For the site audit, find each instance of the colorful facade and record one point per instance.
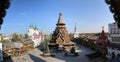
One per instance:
(102, 43)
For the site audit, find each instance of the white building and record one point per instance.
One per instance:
(114, 38)
(35, 35)
(114, 32)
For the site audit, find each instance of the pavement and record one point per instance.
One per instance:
(35, 56)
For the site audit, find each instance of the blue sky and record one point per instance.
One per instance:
(90, 15)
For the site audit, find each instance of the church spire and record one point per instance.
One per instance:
(60, 20)
(102, 28)
(76, 34)
(102, 35)
(43, 32)
(75, 28)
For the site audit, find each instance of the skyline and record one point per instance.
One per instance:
(89, 16)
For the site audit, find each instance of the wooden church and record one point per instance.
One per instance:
(60, 36)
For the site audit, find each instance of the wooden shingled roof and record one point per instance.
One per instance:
(9, 45)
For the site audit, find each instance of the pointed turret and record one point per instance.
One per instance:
(75, 28)
(43, 32)
(102, 35)
(76, 34)
(43, 35)
(60, 20)
(35, 28)
(102, 43)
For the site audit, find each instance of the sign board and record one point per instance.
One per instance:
(1, 54)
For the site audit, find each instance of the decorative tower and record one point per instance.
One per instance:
(43, 35)
(102, 43)
(76, 34)
(60, 35)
